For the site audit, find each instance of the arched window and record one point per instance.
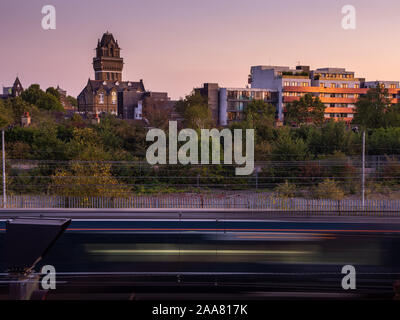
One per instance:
(114, 97)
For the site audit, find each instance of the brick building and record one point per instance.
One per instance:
(109, 94)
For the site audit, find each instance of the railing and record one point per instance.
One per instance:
(251, 201)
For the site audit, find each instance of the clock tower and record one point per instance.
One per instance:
(108, 63)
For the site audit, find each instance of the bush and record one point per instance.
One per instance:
(329, 189)
(285, 190)
(391, 171)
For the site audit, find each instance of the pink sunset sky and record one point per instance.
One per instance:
(175, 45)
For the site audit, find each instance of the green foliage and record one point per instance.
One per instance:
(391, 171)
(5, 116)
(49, 102)
(392, 116)
(384, 141)
(371, 108)
(329, 189)
(18, 107)
(53, 92)
(285, 190)
(332, 137)
(72, 101)
(259, 114)
(43, 142)
(32, 94)
(195, 112)
(43, 100)
(286, 148)
(307, 109)
(87, 179)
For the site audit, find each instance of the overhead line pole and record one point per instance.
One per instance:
(4, 170)
(363, 172)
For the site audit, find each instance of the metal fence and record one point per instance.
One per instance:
(247, 201)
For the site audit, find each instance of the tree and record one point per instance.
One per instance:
(384, 141)
(49, 102)
(307, 109)
(5, 116)
(86, 145)
(392, 116)
(72, 101)
(371, 108)
(53, 92)
(285, 148)
(333, 136)
(32, 94)
(87, 179)
(36, 96)
(157, 115)
(18, 107)
(259, 113)
(194, 111)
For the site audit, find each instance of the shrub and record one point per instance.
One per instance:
(285, 190)
(329, 189)
(391, 171)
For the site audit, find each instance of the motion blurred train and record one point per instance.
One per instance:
(282, 254)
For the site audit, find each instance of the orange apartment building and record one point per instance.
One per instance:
(337, 88)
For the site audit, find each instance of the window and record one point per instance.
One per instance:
(101, 98)
(345, 85)
(392, 86)
(357, 86)
(293, 84)
(286, 84)
(333, 85)
(114, 97)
